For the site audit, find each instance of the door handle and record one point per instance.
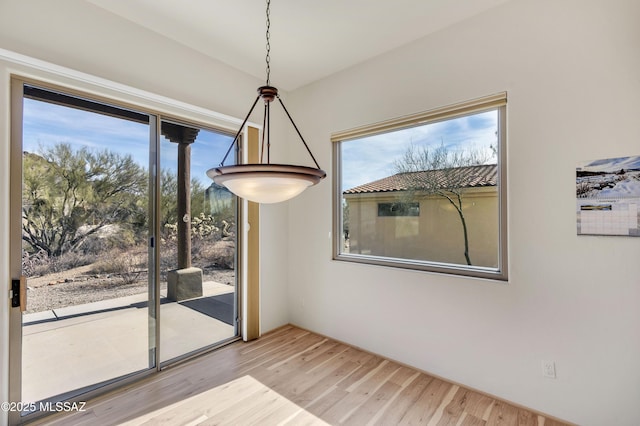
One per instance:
(19, 293)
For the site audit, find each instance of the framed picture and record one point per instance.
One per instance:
(608, 196)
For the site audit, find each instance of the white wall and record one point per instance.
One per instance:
(86, 39)
(571, 69)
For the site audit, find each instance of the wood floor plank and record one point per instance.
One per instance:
(151, 397)
(306, 387)
(224, 396)
(331, 355)
(267, 357)
(294, 349)
(288, 371)
(297, 356)
(552, 422)
(359, 392)
(326, 351)
(312, 389)
(466, 406)
(454, 411)
(252, 410)
(274, 339)
(503, 414)
(471, 420)
(406, 399)
(402, 381)
(373, 406)
(439, 416)
(282, 414)
(304, 418)
(326, 400)
(477, 404)
(370, 364)
(294, 383)
(404, 376)
(293, 377)
(426, 405)
(527, 418)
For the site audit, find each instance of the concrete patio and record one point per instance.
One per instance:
(78, 346)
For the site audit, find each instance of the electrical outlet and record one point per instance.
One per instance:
(549, 369)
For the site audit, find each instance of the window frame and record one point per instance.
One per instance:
(497, 102)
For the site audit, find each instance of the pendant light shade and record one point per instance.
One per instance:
(265, 182)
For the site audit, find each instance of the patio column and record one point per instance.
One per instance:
(184, 205)
(186, 281)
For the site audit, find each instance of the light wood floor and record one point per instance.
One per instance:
(294, 377)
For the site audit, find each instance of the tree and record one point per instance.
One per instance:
(345, 219)
(70, 195)
(442, 172)
(168, 197)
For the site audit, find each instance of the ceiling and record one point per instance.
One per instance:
(309, 39)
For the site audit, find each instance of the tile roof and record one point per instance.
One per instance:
(464, 177)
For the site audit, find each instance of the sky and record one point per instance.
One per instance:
(364, 160)
(46, 124)
(368, 159)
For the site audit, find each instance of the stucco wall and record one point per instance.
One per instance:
(435, 235)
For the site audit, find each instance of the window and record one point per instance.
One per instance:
(398, 209)
(426, 191)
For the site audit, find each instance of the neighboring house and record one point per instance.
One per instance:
(392, 217)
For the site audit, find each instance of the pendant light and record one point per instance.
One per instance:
(265, 182)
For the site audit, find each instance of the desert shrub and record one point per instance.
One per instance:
(206, 252)
(203, 226)
(127, 266)
(34, 263)
(40, 264)
(223, 254)
(72, 260)
(213, 254)
(212, 243)
(119, 239)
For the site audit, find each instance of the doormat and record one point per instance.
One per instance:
(219, 307)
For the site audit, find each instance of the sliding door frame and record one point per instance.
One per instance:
(15, 241)
(244, 249)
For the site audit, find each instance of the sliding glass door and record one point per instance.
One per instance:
(85, 198)
(123, 252)
(198, 235)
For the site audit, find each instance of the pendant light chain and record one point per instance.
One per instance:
(268, 58)
(264, 182)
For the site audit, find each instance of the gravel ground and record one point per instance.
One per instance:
(77, 286)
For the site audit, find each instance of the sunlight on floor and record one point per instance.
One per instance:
(244, 400)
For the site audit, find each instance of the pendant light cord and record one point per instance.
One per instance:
(268, 58)
(265, 125)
